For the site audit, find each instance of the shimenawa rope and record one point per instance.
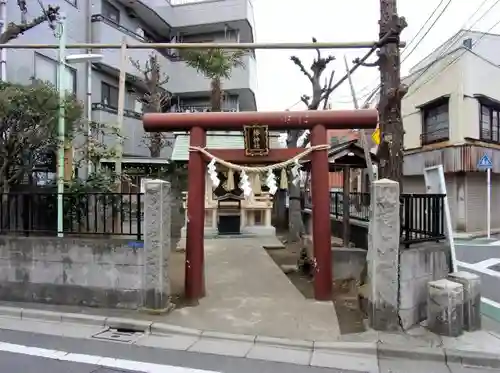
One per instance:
(259, 169)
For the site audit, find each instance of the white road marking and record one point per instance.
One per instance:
(479, 269)
(487, 263)
(97, 360)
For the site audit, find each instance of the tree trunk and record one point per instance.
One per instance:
(295, 223)
(156, 144)
(216, 95)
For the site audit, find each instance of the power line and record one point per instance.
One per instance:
(370, 92)
(430, 28)
(450, 44)
(451, 63)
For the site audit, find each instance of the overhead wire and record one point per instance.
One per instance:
(372, 92)
(450, 44)
(429, 29)
(452, 62)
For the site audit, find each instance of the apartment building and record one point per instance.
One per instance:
(451, 116)
(138, 21)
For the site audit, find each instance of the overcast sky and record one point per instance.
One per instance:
(280, 84)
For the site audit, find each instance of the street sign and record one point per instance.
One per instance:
(485, 162)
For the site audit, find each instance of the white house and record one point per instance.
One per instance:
(451, 116)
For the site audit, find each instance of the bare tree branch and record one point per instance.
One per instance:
(14, 30)
(299, 63)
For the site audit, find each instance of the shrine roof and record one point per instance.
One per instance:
(348, 153)
(217, 140)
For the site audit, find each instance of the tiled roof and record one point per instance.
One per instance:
(217, 140)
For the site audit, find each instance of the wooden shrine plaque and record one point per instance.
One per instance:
(256, 140)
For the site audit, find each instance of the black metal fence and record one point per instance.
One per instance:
(110, 214)
(422, 218)
(421, 215)
(359, 205)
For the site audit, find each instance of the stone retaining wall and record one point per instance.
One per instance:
(87, 272)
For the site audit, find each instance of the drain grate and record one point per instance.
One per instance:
(117, 335)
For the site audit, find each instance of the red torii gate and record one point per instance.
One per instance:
(318, 122)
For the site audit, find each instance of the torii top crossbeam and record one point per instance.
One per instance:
(280, 120)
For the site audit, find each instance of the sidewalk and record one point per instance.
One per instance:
(364, 352)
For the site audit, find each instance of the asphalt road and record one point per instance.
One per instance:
(480, 258)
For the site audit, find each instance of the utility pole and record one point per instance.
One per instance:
(391, 92)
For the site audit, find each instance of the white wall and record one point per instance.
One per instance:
(461, 75)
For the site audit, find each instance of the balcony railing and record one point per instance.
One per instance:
(432, 137)
(199, 109)
(127, 112)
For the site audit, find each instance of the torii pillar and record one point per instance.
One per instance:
(318, 122)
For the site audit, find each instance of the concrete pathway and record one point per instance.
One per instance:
(247, 293)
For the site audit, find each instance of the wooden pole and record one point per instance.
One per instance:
(346, 219)
(194, 284)
(364, 141)
(121, 108)
(391, 94)
(249, 46)
(321, 236)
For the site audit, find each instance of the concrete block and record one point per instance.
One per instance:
(228, 336)
(41, 315)
(132, 324)
(345, 361)
(157, 215)
(383, 256)
(445, 308)
(15, 312)
(221, 347)
(169, 342)
(283, 342)
(81, 318)
(160, 328)
(472, 298)
(281, 354)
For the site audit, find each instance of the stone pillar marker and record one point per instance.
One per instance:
(472, 298)
(445, 308)
(157, 215)
(383, 256)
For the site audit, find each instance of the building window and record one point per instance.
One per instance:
(110, 11)
(138, 106)
(109, 95)
(46, 71)
(435, 122)
(490, 126)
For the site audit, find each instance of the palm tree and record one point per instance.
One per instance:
(215, 64)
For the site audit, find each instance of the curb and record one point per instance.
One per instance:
(379, 349)
(414, 353)
(151, 327)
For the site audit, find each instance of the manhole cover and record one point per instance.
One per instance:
(495, 268)
(118, 335)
